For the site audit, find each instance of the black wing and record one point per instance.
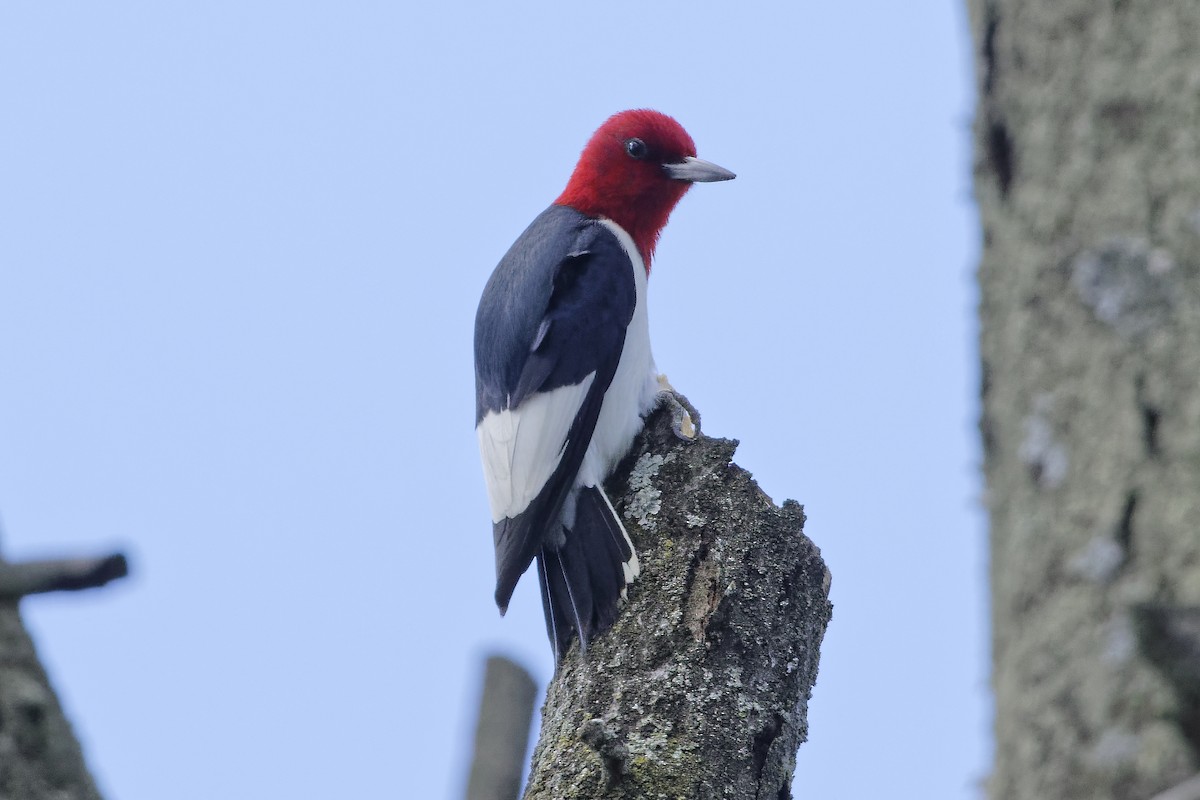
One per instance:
(554, 312)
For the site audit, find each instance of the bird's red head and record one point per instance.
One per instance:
(634, 170)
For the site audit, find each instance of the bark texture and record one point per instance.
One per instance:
(701, 688)
(40, 758)
(1087, 175)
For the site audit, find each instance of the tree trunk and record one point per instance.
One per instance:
(701, 688)
(40, 758)
(1088, 181)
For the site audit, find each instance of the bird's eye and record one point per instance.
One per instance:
(636, 148)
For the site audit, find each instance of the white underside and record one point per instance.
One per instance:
(521, 447)
(634, 387)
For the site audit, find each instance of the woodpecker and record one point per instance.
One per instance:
(564, 374)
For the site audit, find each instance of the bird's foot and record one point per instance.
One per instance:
(685, 419)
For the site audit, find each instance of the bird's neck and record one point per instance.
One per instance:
(643, 221)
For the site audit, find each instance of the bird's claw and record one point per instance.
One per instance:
(685, 419)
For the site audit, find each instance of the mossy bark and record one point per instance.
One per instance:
(701, 688)
(1087, 175)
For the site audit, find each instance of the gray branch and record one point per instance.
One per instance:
(502, 732)
(701, 688)
(63, 574)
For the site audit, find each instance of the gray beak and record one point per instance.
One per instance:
(697, 170)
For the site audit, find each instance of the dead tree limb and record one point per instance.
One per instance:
(59, 575)
(701, 688)
(502, 731)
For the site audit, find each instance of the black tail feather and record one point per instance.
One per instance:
(584, 580)
(554, 616)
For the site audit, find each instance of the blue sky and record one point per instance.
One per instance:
(241, 247)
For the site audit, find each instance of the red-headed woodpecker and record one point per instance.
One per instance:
(564, 373)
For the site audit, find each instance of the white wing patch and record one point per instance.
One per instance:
(521, 446)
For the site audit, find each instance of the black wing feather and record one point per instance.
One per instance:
(564, 291)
